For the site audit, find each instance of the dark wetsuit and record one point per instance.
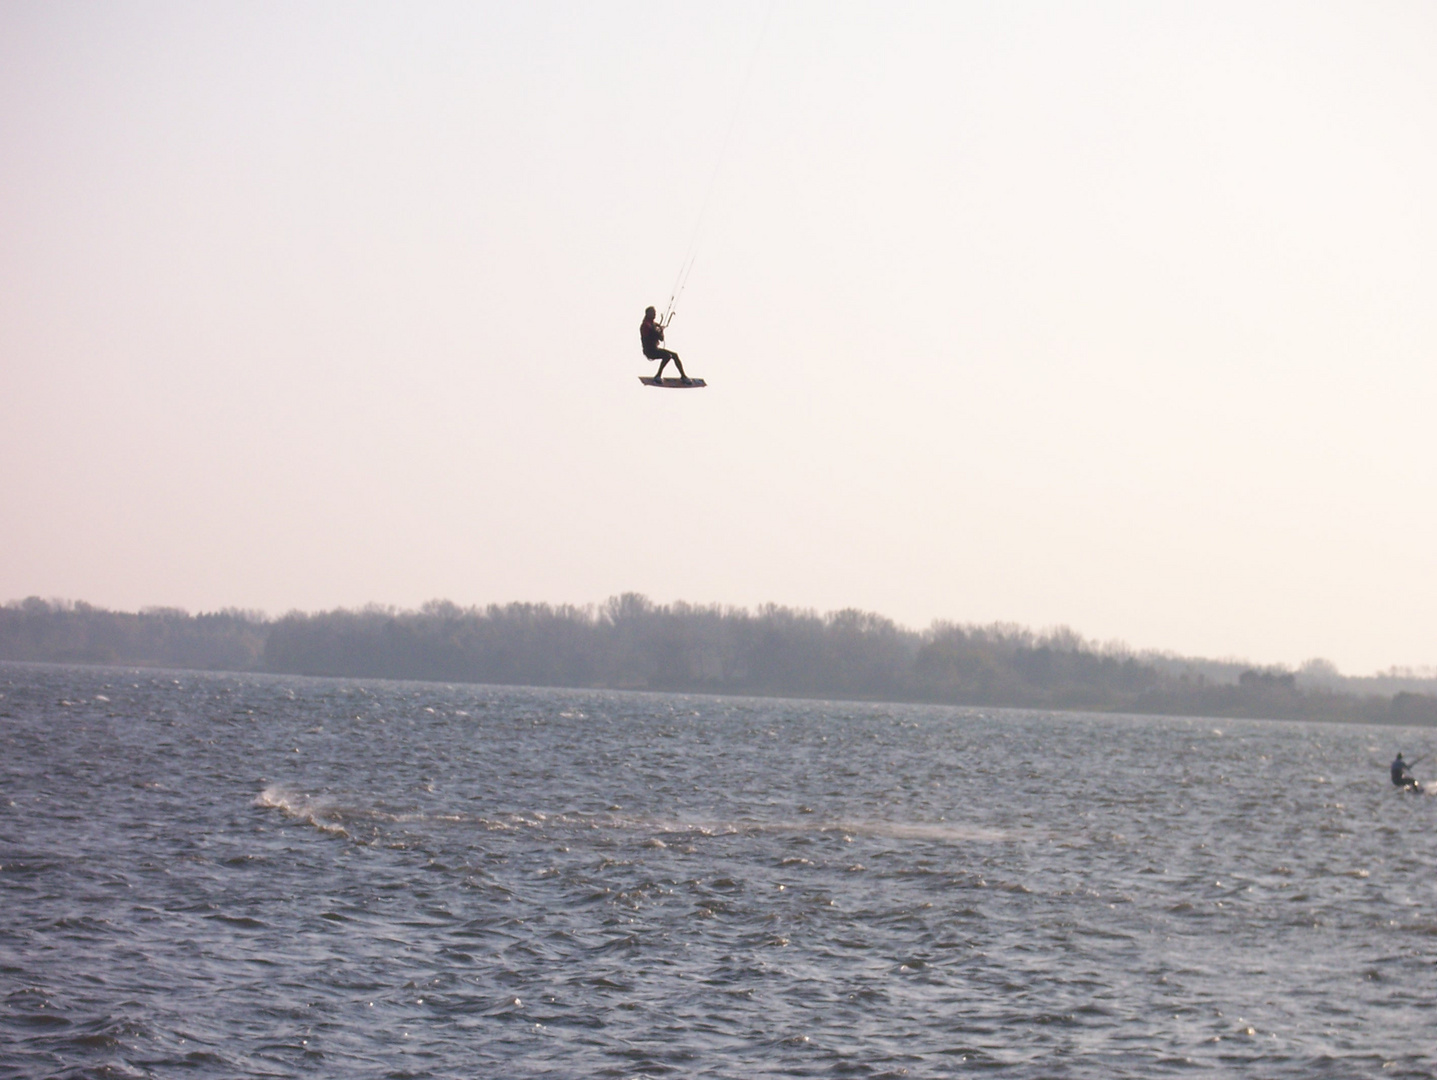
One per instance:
(651, 333)
(1400, 776)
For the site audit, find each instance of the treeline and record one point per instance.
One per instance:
(54, 632)
(632, 643)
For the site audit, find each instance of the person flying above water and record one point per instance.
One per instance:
(1402, 774)
(651, 332)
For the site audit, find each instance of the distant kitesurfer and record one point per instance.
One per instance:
(1402, 774)
(651, 332)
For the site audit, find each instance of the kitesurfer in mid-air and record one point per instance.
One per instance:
(1402, 774)
(651, 332)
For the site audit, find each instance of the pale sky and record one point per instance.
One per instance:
(1113, 315)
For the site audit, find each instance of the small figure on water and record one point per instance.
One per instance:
(651, 332)
(1402, 773)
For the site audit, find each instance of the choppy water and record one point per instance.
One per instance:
(223, 876)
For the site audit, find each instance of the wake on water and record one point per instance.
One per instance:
(329, 814)
(321, 812)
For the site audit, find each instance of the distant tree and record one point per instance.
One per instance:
(631, 642)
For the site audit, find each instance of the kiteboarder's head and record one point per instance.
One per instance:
(649, 312)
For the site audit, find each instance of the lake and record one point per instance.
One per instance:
(231, 876)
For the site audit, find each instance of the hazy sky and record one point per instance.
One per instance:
(1118, 315)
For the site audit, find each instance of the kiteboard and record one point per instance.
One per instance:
(672, 384)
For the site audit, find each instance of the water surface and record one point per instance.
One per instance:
(224, 876)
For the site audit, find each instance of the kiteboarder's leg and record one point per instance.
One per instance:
(664, 356)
